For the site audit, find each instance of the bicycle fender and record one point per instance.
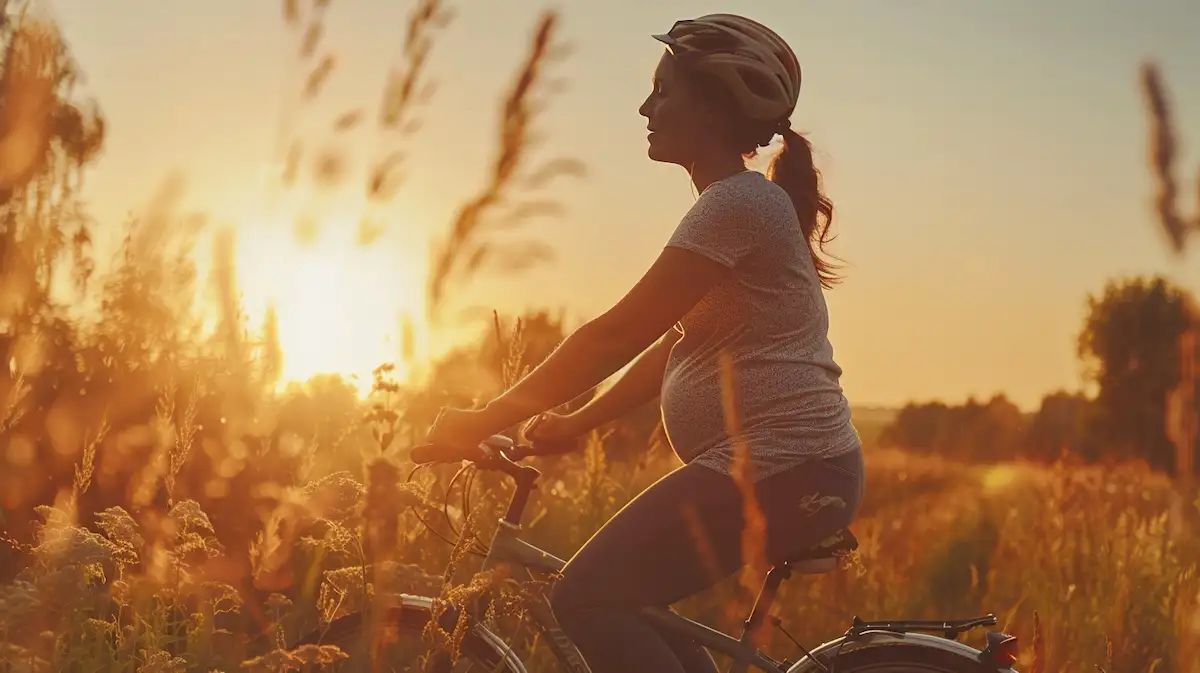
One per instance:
(502, 649)
(829, 650)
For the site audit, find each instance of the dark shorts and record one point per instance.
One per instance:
(684, 533)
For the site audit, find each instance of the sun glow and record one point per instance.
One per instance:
(340, 306)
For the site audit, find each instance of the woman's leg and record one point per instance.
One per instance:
(680, 536)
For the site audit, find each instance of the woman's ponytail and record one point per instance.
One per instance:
(794, 170)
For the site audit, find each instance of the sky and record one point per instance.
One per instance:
(987, 160)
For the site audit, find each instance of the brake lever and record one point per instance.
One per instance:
(501, 453)
(518, 452)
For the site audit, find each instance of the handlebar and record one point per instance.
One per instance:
(496, 452)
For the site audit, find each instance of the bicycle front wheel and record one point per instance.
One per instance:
(394, 642)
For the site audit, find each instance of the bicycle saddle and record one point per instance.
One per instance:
(823, 556)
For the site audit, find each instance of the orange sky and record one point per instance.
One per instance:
(987, 160)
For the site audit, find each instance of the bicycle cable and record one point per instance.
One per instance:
(474, 545)
(468, 488)
(416, 512)
(446, 500)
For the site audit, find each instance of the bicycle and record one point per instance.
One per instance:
(916, 646)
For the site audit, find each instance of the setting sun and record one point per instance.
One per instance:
(340, 306)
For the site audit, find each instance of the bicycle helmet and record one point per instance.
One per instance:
(757, 67)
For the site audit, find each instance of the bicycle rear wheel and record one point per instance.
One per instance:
(904, 658)
(395, 643)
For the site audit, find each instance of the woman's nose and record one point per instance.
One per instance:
(646, 108)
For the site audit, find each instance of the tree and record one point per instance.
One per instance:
(1130, 346)
(916, 426)
(1058, 427)
(990, 431)
(974, 431)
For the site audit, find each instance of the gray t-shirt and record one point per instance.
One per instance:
(771, 318)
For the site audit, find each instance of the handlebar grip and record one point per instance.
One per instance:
(434, 453)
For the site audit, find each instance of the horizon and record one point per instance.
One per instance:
(1025, 122)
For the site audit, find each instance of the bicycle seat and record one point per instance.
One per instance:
(823, 557)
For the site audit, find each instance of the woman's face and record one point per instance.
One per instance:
(677, 119)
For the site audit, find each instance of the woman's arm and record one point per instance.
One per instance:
(641, 383)
(676, 281)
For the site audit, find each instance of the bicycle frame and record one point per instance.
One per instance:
(507, 548)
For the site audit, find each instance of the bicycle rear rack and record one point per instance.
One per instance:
(950, 629)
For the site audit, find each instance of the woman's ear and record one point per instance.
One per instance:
(711, 115)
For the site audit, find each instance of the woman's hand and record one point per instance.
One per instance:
(555, 433)
(462, 428)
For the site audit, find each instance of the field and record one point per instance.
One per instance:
(169, 502)
(1087, 565)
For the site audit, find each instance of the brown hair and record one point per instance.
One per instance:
(792, 169)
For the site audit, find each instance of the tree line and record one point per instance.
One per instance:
(1130, 348)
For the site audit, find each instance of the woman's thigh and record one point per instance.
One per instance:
(668, 543)
(683, 534)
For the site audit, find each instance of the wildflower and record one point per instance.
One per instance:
(158, 661)
(334, 496)
(122, 531)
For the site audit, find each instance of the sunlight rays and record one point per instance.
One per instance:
(340, 306)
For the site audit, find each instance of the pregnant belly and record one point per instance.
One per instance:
(692, 414)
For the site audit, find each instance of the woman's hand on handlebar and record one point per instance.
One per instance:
(550, 433)
(460, 431)
(463, 429)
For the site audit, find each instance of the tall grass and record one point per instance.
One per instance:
(1183, 417)
(165, 510)
(1078, 561)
